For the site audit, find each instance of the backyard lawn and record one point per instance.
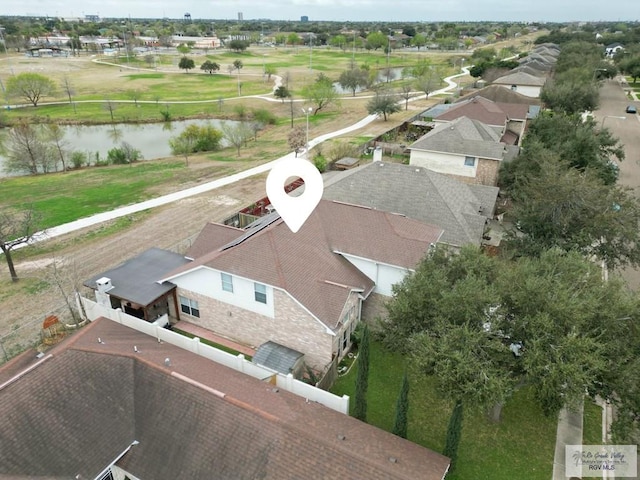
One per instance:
(521, 446)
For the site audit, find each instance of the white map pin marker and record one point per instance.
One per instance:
(294, 210)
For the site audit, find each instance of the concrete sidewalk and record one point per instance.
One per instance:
(569, 432)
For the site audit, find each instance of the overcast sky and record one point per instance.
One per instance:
(354, 10)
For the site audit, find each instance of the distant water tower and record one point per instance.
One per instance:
(187, 18)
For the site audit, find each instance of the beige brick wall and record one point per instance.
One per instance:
(486, 174)
(373, 309)
(292, 326)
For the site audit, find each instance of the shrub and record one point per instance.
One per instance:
(78, 159)
(208, 139)
(341, 150)
(320, 162)
(264, 116)
(123, 154)
(241, 111)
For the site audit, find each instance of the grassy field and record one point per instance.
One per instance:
(61, 198)
(520, 446)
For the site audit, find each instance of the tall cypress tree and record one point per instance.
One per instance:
(454, 432)
(402, 409)
(362, 380)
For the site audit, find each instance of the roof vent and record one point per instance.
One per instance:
(167, 362)
(275, 390)
(342, 437)
(393, 459)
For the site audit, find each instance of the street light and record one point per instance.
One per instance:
(610, 116)
(307, 112)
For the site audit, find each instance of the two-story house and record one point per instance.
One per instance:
(465, 149)
(304, 291)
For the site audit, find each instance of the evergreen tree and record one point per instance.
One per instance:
(454, 432)
(402, 409)
(362, 380)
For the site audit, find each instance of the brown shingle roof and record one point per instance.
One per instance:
(195, 419)
(504, 95)
(305, 263)
(477, 108)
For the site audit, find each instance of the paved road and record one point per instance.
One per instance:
(613, 102)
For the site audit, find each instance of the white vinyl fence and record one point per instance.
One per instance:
(238, 363)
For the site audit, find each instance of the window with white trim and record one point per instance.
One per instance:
(190, 307)
(469, 161)
(227, 282)
(260, 293)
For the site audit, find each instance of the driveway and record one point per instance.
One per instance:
(613, 102)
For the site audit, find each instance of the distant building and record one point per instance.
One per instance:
(304, 19)
(240, 16)
(92, 18)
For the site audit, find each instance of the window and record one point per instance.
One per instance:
(469, 161)
(227, 282)
(260, 292)
(190, 307)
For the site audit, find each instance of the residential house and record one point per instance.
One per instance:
(306, 290)
(303, 291)
(503, 95)
(465, 149)
(524, 83)
(613, 48)
(509, 120)
(95, 408)
(459, 209)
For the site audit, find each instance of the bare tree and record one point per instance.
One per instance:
(405, 94)
(110, 107)
(16, 228)
(237, 135)
(25, 150)
(67, 87)
(55, 135)
(297, 139)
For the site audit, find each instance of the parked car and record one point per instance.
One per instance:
(631, 109)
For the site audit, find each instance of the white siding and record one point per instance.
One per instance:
(527, 91)
(384, 276)
(446, 163)
(207, 282)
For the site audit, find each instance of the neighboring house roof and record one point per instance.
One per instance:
(458, 208)
(476, 108)
(537, 65)
(305, 264)
(503, 95)
(85, 404)
(436, 110)
(277, 357)
(520, 78)
(614, 45)
(463, 136)
(136, 280)
(530, 69)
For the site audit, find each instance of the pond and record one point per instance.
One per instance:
(152, 139)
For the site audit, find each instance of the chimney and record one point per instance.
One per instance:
(104, 284)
